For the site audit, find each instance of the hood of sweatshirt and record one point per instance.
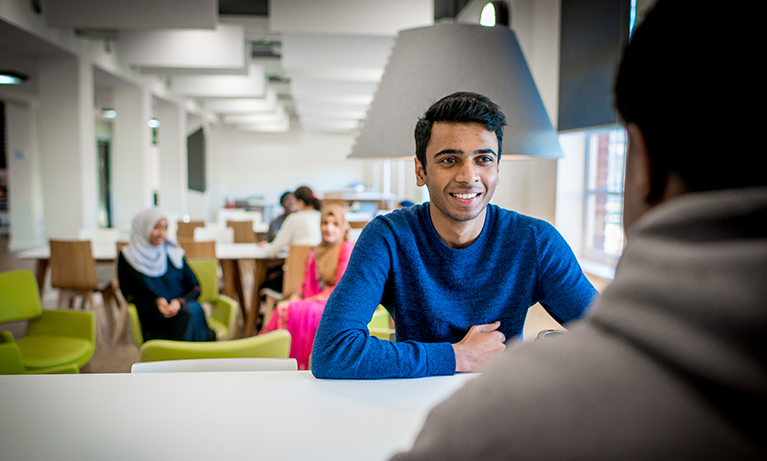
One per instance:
(691, 291)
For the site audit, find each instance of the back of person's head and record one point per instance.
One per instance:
(461, 107)
(687, 79)
(306, 195)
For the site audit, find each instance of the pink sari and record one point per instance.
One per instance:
(301, 318)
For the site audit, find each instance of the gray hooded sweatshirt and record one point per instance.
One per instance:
(670, 362)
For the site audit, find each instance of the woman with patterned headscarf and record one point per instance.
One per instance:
(324, 266)
(154, 276)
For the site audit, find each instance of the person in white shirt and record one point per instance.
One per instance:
(301, 227)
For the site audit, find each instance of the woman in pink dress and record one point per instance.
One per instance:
(324, 266)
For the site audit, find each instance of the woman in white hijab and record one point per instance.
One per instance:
(154, 276)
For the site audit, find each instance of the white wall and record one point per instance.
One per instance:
(26, 200)
(267, 164)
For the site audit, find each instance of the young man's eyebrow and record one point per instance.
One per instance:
(487, 151)
(448, 152)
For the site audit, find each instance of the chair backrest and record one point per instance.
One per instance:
(243, 231)
(135, 326)
(216, 365)
(358, 224)
(275, 344)
(72, 265)
(293, 276)
(196, 250)
(206, 271)
(19, 296)
(186, 229)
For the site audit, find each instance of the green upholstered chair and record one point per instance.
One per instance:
(55, 342)
(275, 345)
(379, 325)
(223, 318)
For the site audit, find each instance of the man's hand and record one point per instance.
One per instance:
(481, 344)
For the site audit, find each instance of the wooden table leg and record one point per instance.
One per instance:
(40, 268)
(259, 275)
(233, 287)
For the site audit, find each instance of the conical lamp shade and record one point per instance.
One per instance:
(428, 63)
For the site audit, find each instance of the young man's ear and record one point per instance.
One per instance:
(638, 180)
(420, 173)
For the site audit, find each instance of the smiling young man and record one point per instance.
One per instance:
(456, 274)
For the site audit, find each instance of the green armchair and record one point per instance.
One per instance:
(223, 318)
(55, 341)
(270, 345)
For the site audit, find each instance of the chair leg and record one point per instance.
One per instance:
(65, 296)
(269, 306)
(107, 296)
(122, 317)
(89, 298)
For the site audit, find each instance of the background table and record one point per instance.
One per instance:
(213, 416)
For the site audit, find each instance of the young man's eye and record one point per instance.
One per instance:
(447, 160)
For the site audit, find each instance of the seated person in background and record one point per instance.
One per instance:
(288, 203)
(671, 362)
(325, 265)
(456, 274)
(301, 227)
(154, 276)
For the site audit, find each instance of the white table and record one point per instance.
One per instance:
(213, 416)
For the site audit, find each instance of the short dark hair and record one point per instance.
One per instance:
(461, 107)
(284, 196)
(682, 81)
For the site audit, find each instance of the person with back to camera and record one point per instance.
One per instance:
(154, 275)
(671, 362)
(288, 203)
(301, 227)
(456, 274)
(324, 266)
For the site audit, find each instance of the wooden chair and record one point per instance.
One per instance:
(243, 231)
(293, 278)
(185, 230)
(197, 250)
(358, 224)
(73, 272)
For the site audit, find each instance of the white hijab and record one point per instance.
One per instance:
(143, 256)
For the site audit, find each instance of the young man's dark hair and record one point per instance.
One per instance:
(678, 63)
(461, 107)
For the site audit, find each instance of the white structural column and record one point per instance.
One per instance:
(26, 197)
(131, 155)
(67, 145)
(172, 141)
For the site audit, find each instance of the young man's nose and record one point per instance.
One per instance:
(467, 173)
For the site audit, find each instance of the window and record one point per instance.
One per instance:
(603, 199)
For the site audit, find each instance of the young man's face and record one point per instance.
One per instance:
(461, 171)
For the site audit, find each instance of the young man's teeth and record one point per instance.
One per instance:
(466, 196)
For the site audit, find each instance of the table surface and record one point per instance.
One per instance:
(226, 415)
(106, 252)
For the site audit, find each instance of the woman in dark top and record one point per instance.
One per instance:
(154, 276)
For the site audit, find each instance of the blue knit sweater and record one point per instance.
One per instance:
(436, 293)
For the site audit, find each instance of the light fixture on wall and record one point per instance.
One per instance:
(428, 63)
(109, 113)
(153, 123)
(494, 14)
(11, 77)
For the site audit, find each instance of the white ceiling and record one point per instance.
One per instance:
(327, 55)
